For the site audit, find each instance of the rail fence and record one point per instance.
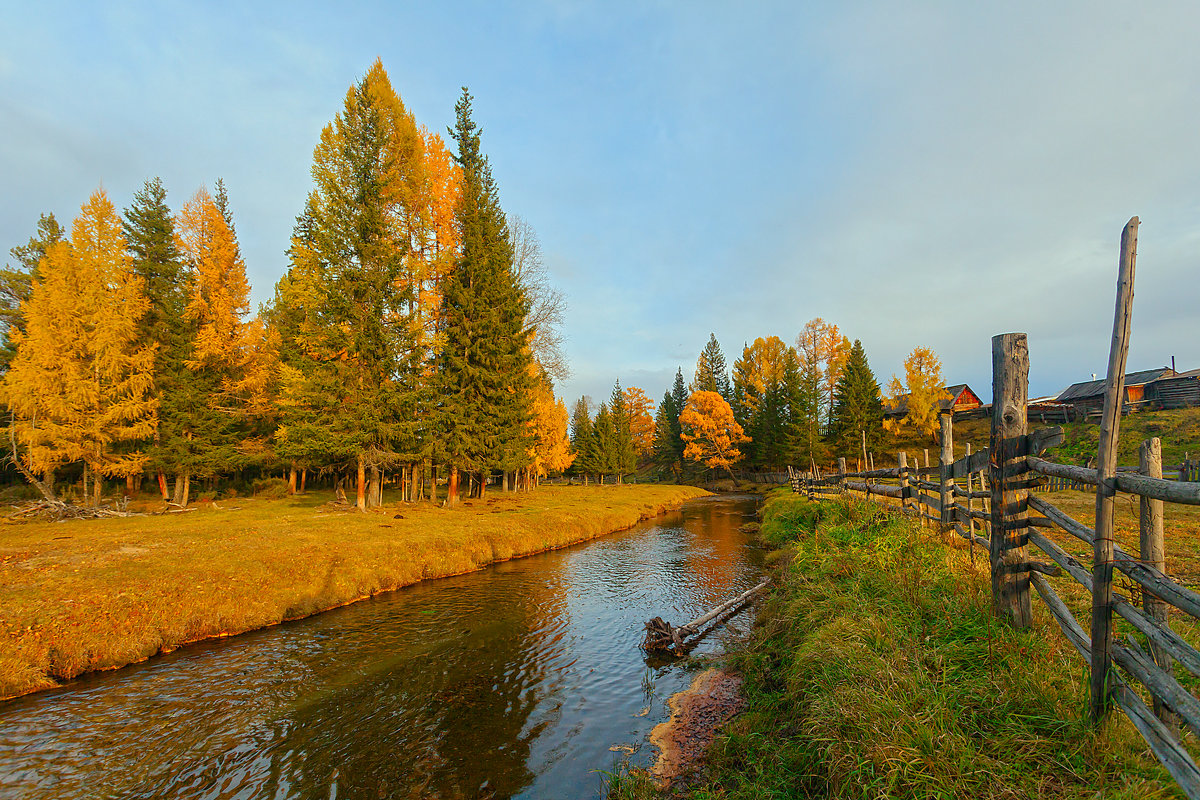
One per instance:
(990, 492)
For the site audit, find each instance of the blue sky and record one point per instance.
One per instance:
(689, 167)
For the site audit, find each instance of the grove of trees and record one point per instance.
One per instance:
(413, 332)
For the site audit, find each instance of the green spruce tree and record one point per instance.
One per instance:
(484, 366)
(154, 257)
(712, 375)
(857, 405)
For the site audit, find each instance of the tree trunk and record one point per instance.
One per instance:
(303, 480)
(504, 486)
(292, 480)
(482, 483)
(361, 489)
(452, 487)
(97, 487)
(129, 488)
(86, 494)
(187, 489)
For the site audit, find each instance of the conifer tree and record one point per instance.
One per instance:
(711, 373)
(81, 381)
(679, 398)
(857, 406)
(485, 388)
(604, 436)
(154, 257)
(213, 404)
(16, 282)
(624, 456)
(663, 451)
(583, 437)
(641, 422)
(353, 368)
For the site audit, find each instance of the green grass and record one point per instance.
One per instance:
(86, 595)
(876, 669)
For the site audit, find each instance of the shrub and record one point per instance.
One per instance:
(271, 488)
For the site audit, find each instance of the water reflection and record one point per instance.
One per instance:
(513, 681)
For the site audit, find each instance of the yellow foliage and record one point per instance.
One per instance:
(761, 366)
(710, 432)
(551, 450)
(641, 420)
(80, 382)
(220, 292)
(923, 385)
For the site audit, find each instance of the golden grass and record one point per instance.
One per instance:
(97, 594)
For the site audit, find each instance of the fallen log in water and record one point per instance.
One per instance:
(662, 635)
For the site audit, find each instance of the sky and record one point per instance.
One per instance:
(920, 174)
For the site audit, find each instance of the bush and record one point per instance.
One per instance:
(17, 492)
(271, 488)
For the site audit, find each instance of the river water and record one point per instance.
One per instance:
(521, 680)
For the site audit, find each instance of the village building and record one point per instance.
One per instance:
(1175, 390)
(1086, 399)
(960, 401)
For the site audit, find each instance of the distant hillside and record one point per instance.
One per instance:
(1178, 429)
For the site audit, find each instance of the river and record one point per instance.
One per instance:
(521, 680)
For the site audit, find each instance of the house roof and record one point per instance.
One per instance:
(900, 407)
(1078, 391)
(1195, 373)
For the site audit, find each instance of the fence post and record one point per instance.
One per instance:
(841, 475)
(970, 501)
(1153, 553)
(1106, 468)
(902, 462)
(1008, 552)
(864, 449)
(946, 422)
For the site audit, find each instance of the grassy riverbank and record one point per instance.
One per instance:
(86, 595)
(876, 670)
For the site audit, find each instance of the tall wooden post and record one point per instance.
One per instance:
(947, 477)
(903, 459)
(1106, 468)
(841, 473)
(864, 449)
(970, 501)
(1008, 551)
(1153, 553)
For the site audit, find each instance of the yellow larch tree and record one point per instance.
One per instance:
(80, 382)
(551, 450)
(640, 409)
(923, 388)
(232, 359)
(710, 433)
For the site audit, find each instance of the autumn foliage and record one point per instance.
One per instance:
(924, 388)
(710, 433)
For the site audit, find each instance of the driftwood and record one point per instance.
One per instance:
(58, 511)
(662, 635)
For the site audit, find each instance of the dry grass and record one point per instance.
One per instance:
(96, 594)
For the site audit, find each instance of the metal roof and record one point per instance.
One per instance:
(1078, 391)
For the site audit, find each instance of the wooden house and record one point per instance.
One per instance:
(1087, 398)
(961, 400)
(1175, 390)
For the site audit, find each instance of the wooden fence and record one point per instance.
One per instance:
(989, 492)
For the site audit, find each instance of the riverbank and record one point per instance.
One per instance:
(98, 594)
(877, 670)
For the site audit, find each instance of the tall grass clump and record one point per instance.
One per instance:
(877, 670)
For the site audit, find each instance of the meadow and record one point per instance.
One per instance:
(97, 594)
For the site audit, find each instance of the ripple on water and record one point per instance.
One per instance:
(512, 681)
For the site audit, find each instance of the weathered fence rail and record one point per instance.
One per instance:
(1005, 473)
